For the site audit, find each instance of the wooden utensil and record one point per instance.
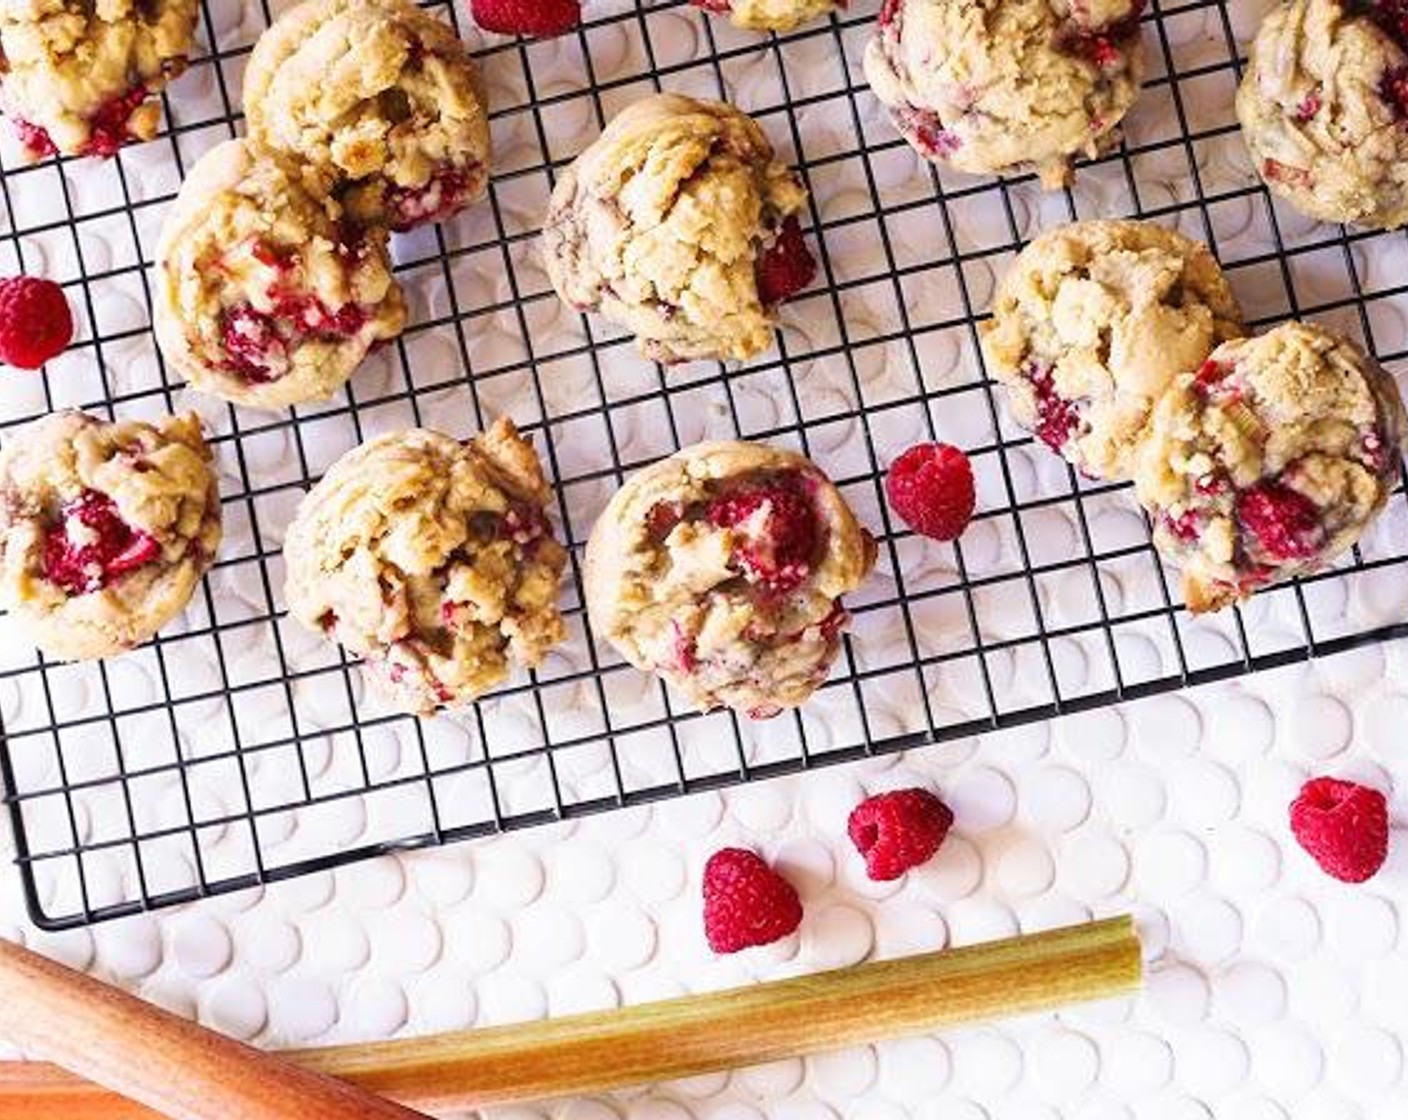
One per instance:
(175, 1066)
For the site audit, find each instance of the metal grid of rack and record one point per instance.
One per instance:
(237, 750)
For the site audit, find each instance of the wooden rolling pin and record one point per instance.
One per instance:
(187, 1072)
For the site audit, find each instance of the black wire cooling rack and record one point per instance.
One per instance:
(237, 750)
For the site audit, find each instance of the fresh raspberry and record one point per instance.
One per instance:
(91, 545)
(777, 550)
(1394, 90)
(1285, 523)
(1343, 826)
(899, 830)
(35, 321)
(746, 902)
(931, 487)
(540, 19)
(786, 267)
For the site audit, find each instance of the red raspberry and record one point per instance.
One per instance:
(109, 124)
(786, 267)
(109, 546)
(746, 902)
(1285, 523)
(931, 487)
(540, 19)
(1057, 418)
(778, 554)
(1343, 826)
(35, 321)
(716, 6)
(1394, 90)
(899, 830)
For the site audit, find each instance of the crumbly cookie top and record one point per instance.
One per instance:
(104, 527)
(1092, 322)
(1269, 460)
(76, 76)
(660, 223)
(432, 559)
(1324, 109)
(267, 295)
(721, 569)
(776, 15)
(1000, 85)
(373, 88)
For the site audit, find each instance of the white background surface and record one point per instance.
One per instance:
(1272, 992)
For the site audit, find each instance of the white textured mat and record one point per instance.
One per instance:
(1273, 990)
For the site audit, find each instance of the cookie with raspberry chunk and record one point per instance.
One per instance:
(433, 560)
(722, 569)
(1269, 461)
(105, 529)
(1324, 109)
(266, 294)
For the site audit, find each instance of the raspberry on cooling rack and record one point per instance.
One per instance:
(746, 902)
(1269, 462)
(538, 19)
(898, 831)
(721, 569)
(36, 324)
(1343, 826)
(931, 488)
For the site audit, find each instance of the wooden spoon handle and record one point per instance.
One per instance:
(171, 1065)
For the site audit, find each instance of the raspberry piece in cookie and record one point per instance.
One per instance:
(721, 569)
(266, 294)
(540, 19)
(770, 15)
(1091, 323)
(1324, 109)
(36, 323)
(746, 902)
(1343, 826)
(433, 560)
(898, 831)
(105, 529)
(83, 78)
(1007, 86)
(378, 94)
(1268, 462)
(677, 225)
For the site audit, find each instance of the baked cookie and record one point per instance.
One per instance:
(105, 529)
(1269, 461)
(265, 295)
(377, 93)
(721, 569)
(770, 15)
(1092, 322)
(1004, 86)
(81, 78)
(433, 560)
(678, 225)
(1324, 109)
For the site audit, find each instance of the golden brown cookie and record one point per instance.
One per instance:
(678, 225)
(433, 560)
(721, 569)
(105, 529)
(1091, 323)
(1004, 86)
(82, 78)
(1270, 461)
(266, 295)
(377, 93)
(1324, 110)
